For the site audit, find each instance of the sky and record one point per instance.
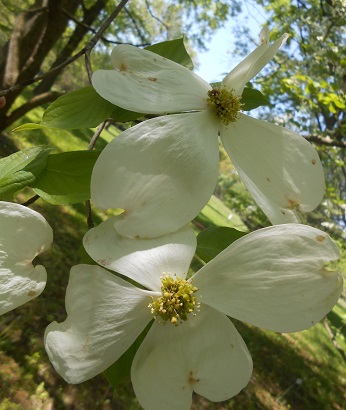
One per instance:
(218, 60)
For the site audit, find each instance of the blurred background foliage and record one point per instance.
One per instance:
(305, 85)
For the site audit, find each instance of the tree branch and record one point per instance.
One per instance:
(139, 33)
(103, 38)
(90, 221)
(325, 141)
(155, 17)
(73, 42)
(29, 105)
(332, 338)
(31, 200)
(96, 135)
(91, 44)
(332, 24)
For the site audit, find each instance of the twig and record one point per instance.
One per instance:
(198, 225)
(288, 390)
(332, 338)
(139, 33)
(69, 60)
(103, 38)
(92, 43)
(31, 200)
(155, 17)
(90, 220)
(88, 65)
(332, 24)
(96, 135)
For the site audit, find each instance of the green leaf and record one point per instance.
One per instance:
(66, 178)
(252, 98)
(217, 213)
(29, 126)
(214, 240)
(340, 103)
(22, 168)
(173, 50)
(121, 369)
(121, 115)
(82, 108)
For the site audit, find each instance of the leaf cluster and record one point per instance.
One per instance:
(306, 86)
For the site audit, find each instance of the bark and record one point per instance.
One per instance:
(80, 31)
(36, 101)
(35, 33)
(325, 141)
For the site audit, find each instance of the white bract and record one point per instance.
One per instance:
(24, 234)
(172, 161)
(272, 278)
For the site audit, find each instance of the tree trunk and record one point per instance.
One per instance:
(80, 31)
(35, 33)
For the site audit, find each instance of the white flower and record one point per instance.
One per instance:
(273, 278)
(173, 160)
(24, 234)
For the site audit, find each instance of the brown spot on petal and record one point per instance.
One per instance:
(122, 67)
(192, 379)
(104, 262)
(292, 204)
(313, 162)
(320, 238)
(268, 179)
(153, 79)
(31, 293)
(84, 348)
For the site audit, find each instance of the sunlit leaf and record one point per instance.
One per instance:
(85, 108)
(339, 103)
(66, 178)
(29, 126)
(173, 50)
(217, 213)
(82, 108)
(22, 168)
(252, 98)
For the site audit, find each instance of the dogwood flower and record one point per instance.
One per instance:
(173, 160)
(24, 234)
(273, 278)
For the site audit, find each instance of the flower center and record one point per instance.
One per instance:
(177, 300)
(225, 104)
